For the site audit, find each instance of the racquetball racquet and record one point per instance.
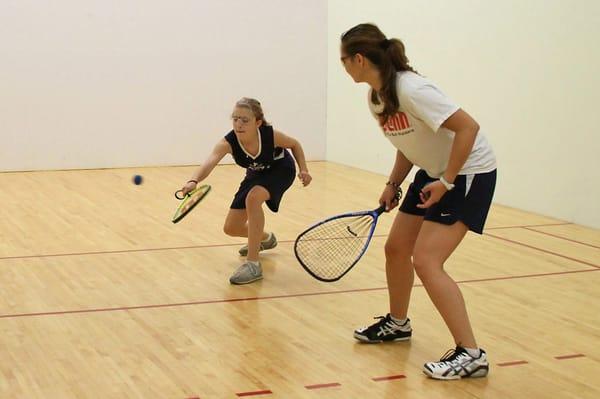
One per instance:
(189, 201)
(330, 248)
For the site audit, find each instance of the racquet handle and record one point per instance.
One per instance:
(381, 209)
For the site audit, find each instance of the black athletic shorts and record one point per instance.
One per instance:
(469, 201)
(275, 180)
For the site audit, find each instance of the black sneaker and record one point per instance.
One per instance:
(384, 330)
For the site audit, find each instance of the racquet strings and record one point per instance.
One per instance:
(193, 199)
(190, 200)
(331, 248)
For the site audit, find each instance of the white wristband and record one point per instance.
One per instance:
(449, 186)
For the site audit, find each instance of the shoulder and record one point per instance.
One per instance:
(408, 83)
(224, 145)
(230, 136)
(266, 128)
(415, 89)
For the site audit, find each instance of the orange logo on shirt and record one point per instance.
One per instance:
(397, 122)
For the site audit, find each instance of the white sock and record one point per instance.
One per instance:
(400, 322)
(268, 237)
(254, 262)
(474, 353)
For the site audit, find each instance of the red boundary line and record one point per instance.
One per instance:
(562, 238)
(389, 378)
(565, 357)
(124, 251)
(542, 250)
(230, 300)
(254, 393)
(320, 386)
(514, 363)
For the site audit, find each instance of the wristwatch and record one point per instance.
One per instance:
(449, 186)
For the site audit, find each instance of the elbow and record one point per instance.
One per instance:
(295, 146)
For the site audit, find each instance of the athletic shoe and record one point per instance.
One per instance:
(456, 364)
(270, 242)
(246, 273)
(384, 330)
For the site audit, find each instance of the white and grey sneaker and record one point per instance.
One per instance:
(456, 364)
(269, 243)
(384, 330)
(246, 273)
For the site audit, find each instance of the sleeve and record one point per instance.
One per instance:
(430, 105)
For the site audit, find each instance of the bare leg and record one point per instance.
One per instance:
(256, 219)
(434, 245)
(236, 224)
(398, 263)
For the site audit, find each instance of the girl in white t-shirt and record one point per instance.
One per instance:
(451, 193)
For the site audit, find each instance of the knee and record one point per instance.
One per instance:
(231, 229)
(397, 251)
(228, 229)
(255, 198)
(424, 265)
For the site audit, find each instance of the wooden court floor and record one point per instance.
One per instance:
(103, 297)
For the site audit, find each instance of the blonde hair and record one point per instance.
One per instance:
(254, 106)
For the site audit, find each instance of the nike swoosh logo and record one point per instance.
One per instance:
(445, 214)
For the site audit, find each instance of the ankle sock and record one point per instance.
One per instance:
(474, 353)
(400, 322)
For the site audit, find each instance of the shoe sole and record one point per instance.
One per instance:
(368, 341)
(245, 282)
(428, 373)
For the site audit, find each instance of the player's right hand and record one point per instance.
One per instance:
(388, 198)
(189, 186)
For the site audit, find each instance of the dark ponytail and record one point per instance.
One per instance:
(388, 56)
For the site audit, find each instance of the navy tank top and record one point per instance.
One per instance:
(269, 156)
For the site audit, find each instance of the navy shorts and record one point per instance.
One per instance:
(276, 180)
(469, 201)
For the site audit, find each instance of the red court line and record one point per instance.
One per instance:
(542, 250)
(528, 225)
(254, 393)
(562, 238)
(320, 386)
(514, 363)
(389, 377)
(126, 251)
(564, 357)
(231, 300)
(121, 251)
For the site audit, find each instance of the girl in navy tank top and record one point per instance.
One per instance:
(270, 171)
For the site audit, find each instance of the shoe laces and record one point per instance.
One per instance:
(453, 354)
(387, 322)
(253, 268)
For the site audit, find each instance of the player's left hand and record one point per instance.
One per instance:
(304, 177)
(431, 194)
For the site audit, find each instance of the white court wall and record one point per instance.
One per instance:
(528, 71)
(117, 83)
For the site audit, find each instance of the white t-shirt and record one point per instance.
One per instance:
(416, 129)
